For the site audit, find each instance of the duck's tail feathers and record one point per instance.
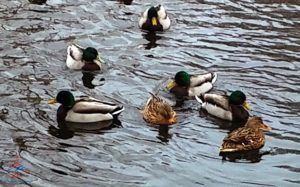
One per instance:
(154, 96)
(199, 99)
(118, 110)
(214, 77)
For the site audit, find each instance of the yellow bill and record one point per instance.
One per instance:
(171, 85)
(99, 60)
(246, 105)
(154, 21)
(52, 101)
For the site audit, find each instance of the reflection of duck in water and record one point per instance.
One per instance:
(252, 155)
(163, 133)
(83, 59)
(39, 2)
(152, 38)
(87, 79)
(233, 108)
(155, 19)
(126, 2)
(85, 113)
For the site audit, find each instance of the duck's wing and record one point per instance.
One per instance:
(163, 17)
(242, 139)
(219, 100)
(242, 135)
(75, 51)
(197, 80)
(201, 84)
(153, 103)
(91, 105)
(143, 18)
(76, 117)
(74, 56)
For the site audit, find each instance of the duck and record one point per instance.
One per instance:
(158, 112)
(155, 19)
(86, 59)
(84, 110)
(233, 108)
(185, 85)
(247, 138)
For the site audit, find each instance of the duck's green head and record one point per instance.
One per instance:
(239, 98)
(89, 54)
(182, 78)
(152, 15)
(65, 98)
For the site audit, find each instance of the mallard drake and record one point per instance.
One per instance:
(85, 110)
(155, 19)
(233, 108)
(186, 85)
(158, 112)
(246, 138)
(83, 59)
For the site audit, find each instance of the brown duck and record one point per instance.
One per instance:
(246, 138)
(158, 112)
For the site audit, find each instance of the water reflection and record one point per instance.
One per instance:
(126, 2)
(66, 130)
(39, 2)
(253, 156)
(3, 113)
(152, 38)
(62, 133)
(87, 79)
(163, 133)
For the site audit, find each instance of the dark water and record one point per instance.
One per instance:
(252, 44)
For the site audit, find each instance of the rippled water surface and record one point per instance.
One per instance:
(254, 45)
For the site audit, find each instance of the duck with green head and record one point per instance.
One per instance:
(155, 19)
(85, 110)
(79, 58)
(232, 108)
(186, 85)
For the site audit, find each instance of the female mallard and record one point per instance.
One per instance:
(233, 108)
(246, 138)
(158, 112)
(85, 110)
(85, 59)
(186, 85)
(155, 19)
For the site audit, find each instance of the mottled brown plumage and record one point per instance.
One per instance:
(158, 112)
(246, 138)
